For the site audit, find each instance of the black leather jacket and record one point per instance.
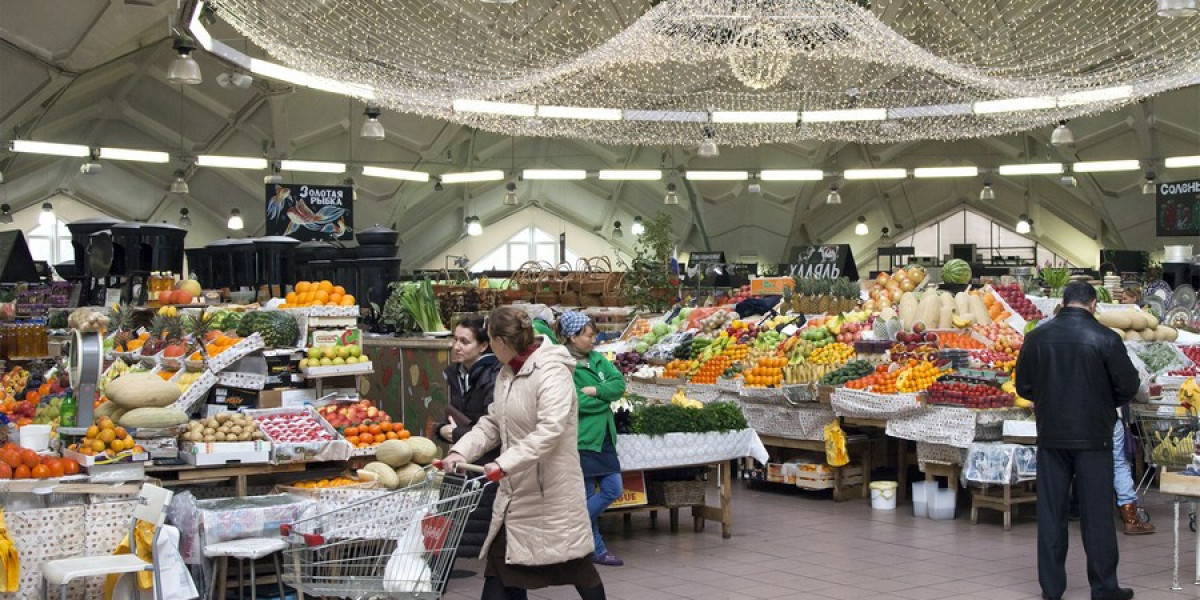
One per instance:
(1076, 372)
(471, 393)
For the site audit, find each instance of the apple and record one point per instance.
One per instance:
(164, 298)
(325, 362)
(304, 363)
(339, 361)
(350, 360)
(343, 351)
(355, 351)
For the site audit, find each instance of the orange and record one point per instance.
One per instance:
(6, 471)
(321, 296)
(11, 458)
(375, 430)
(353, 439)
(404, 435)
(366, 438)
(70, 467)
(335, 298)
(98, 446)
(351, 431)
(303, 286)
(392, 435)
(22, 472)
(29, 458)
(348, 300)
(121, 433)
(291, 297)
(40, 472)
(106, 423)
(325, 286)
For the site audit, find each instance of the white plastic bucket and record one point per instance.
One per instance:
(920, 497)
(883, 495)
(35, 437)
(941, 508)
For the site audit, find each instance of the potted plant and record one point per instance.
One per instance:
(649, 283)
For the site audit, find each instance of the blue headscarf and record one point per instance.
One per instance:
(572, 322)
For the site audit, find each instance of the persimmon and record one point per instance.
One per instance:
(29, 458)
(6, 471)
(40, 472)
(22, 472)
(70, 467)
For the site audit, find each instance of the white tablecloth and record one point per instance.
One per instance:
(685, 449)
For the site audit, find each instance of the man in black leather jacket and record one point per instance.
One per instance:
(1077, 373)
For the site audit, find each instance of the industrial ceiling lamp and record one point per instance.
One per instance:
(274, 177)
(861, 228)
(638, 228)
(1024, 224)
(708, 148)
(184, 70)
(1062, 135)
(672, 198)
(47, 217)
(235, 79)
(1068, 177)
(617, 233)
(833, 197)
(184, 219)
(987, 194)
(437, 187)
(885, 233)
(6, 217)
(179, 185)
(474, 227)
(1178, 8)
(235, 220)
(92, 166)
(1149, 188)
(510, 194)
(372, 129)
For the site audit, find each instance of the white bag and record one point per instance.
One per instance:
(406, 571)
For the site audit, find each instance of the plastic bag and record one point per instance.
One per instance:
(406, 571)
(835, 445)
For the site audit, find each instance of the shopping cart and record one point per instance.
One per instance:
(400, 544)
(1168, 442)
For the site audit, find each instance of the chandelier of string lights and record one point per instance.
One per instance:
(748, 72)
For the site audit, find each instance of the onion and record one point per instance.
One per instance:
(900, 274)
(882, 278)
(907, 285)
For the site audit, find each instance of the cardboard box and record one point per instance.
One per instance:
(234, 398)
(286, 398)
(282, 370)
(634, 492)
(335, 337)
(770, 286)
(226, 453)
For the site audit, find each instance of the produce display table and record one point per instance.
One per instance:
(678, 450)
(185, 475)
(1185, 488)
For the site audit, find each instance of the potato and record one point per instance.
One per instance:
(209, 439)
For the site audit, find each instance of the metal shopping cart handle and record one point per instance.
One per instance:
(472, 468)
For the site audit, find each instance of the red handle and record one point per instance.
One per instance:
(496, 475)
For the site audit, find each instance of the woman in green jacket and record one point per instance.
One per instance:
(597, 385)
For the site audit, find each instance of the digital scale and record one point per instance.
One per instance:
(85, 364)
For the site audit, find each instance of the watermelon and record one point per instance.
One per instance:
(1103, 295)
(956, 271)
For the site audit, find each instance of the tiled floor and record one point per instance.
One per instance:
(790, 544)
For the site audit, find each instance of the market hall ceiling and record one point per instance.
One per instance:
(93, 72)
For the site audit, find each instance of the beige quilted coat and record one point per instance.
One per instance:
(541, 499)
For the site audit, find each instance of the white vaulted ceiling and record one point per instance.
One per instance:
(94, 72)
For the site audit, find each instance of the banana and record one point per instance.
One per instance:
(961, 322)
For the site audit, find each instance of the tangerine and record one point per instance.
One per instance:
(6, 471)
(40, 472)
(11, 457)
(303, 286)
(29, 458)
(70, 467)
(98, 446)
(325, 286)
(21, 472)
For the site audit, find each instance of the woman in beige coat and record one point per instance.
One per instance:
(540, 534)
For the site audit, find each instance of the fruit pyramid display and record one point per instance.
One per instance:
(320, 293)
(105, 438)
(333, 356)
(23, 463)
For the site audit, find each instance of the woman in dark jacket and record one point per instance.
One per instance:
(471, 378)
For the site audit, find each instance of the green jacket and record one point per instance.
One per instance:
(543, 329)
(595, 415)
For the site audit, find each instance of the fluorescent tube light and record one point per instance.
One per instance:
(755, 116)
(1107, 166)
(579, 112)
(1121, 92)
(312, 166)
(1032, 169)
(630, 175)
(860, 174)
(717, 175)
(792, 175)
(936, 172)
(1179, 162)
(555, 174)
(276, 71)
(401, 174)
(50, 148)
(232, 162)
(472, 177)
(850, 114)
(149, 156)
(985, 107)
(495, 108)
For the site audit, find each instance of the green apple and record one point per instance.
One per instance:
(339, 361)
(343, 351)
(330, 352)
(355, 351)
(351, 360)
(304, 363)
(314, 352)
(326, 362)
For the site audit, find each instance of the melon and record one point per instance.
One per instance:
(1171, 333)
(979, 310)
(383, 474)
(1132, 336)
(153, 418)
(1151, 321)
(962, 303)
(1137, 320)
(140, 390)
(424, 451)
(909, 306)
(410, 474)
(956, 271)
(1117, 319)
(394, 453)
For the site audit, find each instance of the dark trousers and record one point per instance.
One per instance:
(1092, 473)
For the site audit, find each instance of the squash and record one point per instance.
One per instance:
(909, 305)
(1171, 333)
(106, 410)
(140, 390)
(394, 453)
(1149, 335)
(1151, 321)
(153, 418)
(962, 303)
(383, 474)
(930, 311)
(1137, 320)
(979, 310)
(1132, 336)
(1117, 319)
(946, 318)
(424, 451)
(410, 474)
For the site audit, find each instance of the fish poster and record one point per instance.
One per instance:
(1178, 208)
(310, 212)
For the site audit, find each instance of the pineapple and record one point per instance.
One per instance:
(198, 328)
(120, 319)
(163, 331)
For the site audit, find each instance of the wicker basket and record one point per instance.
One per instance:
(676, 494)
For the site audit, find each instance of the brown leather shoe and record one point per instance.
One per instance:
(1134, 525)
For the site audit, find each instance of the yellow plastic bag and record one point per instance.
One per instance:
(835, 445)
